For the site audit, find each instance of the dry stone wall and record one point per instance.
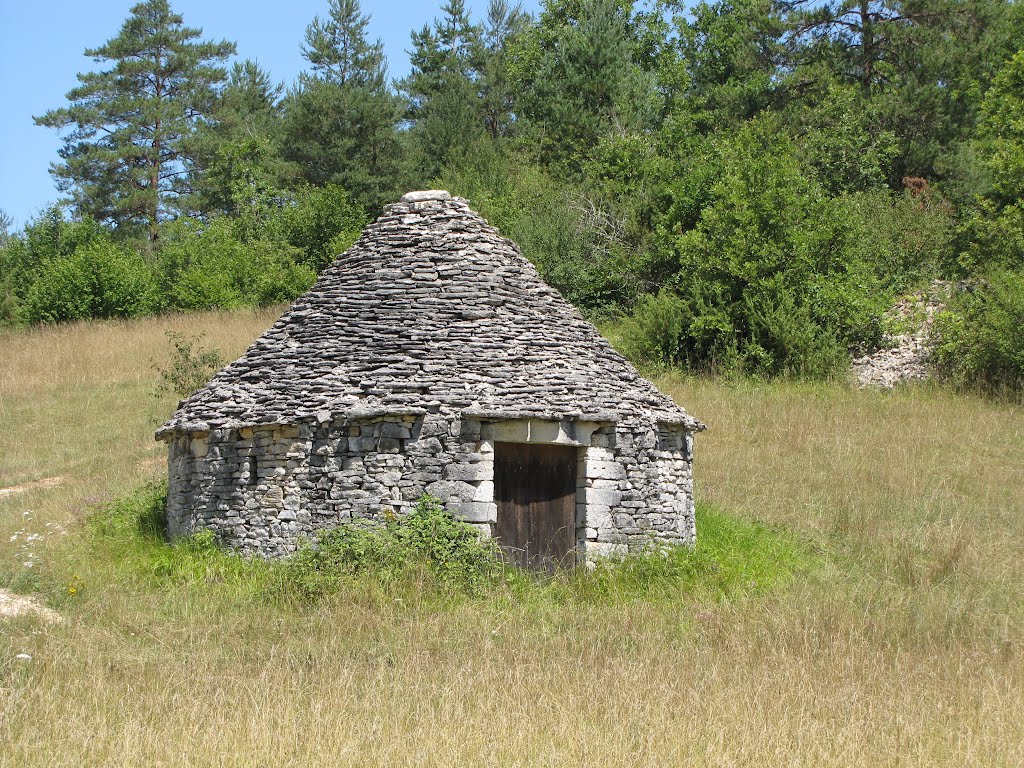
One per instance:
(261, 490)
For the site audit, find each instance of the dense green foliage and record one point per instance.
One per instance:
(981, 334)
(747, 184)
(101, 279)
(427, 538)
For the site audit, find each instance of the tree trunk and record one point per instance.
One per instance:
(867, 46)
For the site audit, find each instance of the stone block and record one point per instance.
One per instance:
(476, 511)
(476, 472)
(362, 444)
(597, 517)
(604, 550)
(424, 446)
(484, 491)
(392, 430)
(600, 469)
(433, 426)
(389, 478)
(601, 496)
(449, 490)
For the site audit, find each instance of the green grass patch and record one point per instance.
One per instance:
(127, 536)
(732, 559)
(431, 555)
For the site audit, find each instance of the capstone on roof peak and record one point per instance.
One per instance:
(424, 195)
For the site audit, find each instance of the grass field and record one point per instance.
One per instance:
(899, 643)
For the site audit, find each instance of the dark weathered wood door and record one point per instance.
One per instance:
(535, 488)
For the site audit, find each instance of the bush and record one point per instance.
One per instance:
(190, 366)
(905, 239)
(763, 280)
(208, 266)
(99, 279)
(10, 312)
(428, 539)
(656, 330)
(979, 338)
(322, 222)
(993, 235)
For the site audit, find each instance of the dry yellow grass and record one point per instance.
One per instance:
(903, 650)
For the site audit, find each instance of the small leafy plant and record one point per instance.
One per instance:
(428, 539)
(190, 366)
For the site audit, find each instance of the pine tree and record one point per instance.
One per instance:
(235, 156)
(726, 61)
(339, 50)
(497, 102)
(580, 78)
(125, 157)
(921, 66)
(340, 123)
(443, 88)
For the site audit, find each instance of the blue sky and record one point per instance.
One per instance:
(44, 40)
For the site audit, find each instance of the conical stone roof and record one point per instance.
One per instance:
(430, 309)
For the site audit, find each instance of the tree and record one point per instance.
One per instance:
(339, 50)
(995, 230)
(250, 102)
(340, 124)
(442, 89)
(580, 79)
(126, 156)
(921, 67)
(725, 61)
(235, 157)
(497, 101)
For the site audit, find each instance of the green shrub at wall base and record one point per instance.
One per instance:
(427, 538)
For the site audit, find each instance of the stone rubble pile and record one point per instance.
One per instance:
(904, 356)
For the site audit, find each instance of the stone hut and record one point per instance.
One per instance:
(431, 358)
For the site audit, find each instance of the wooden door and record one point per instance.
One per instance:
(535, 488)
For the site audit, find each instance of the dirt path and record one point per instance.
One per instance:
(12, 606)
(35, 485)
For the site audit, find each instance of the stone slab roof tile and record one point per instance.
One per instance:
(430, 304)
